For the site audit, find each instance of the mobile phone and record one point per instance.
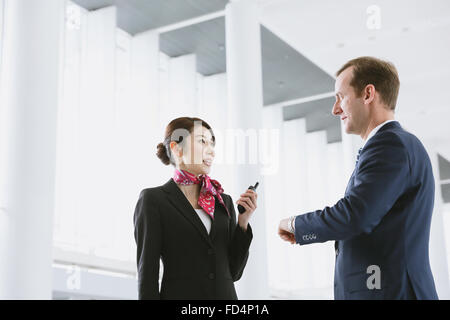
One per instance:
(241, 209)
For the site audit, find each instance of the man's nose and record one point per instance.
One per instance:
(336, 109)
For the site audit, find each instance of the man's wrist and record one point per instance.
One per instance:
(291, 224)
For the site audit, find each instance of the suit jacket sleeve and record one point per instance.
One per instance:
(380, 179)
(147, 233)
(239, 244)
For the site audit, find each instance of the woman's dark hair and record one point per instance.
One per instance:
(176, 131)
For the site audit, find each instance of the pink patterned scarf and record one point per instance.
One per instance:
(209, 189)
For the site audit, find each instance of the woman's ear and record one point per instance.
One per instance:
(175, 149)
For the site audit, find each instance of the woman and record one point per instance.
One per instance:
(190, 223)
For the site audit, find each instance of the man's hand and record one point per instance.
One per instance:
(283, 231)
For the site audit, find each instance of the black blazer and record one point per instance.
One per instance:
(197, 265)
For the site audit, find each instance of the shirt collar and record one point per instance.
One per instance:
(375, 130)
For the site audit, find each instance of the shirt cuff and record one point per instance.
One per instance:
(291, 224)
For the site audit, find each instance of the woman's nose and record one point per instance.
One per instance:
(210, 151)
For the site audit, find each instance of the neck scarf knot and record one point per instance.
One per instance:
(209, 189)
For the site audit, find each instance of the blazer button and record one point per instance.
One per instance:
(210, 251)
(211, 276)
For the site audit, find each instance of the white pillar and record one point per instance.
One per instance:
(244, 73)
(275, 207)
(437, 247)
(295, 186)
(336, 182)
(28, 115)
(2, 5)
(350, 145)
(145, 125)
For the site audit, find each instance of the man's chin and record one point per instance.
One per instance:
(349, 129)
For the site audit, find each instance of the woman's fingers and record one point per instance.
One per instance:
(246, 203)
(249, 202)
(250, 193)
(251, 197)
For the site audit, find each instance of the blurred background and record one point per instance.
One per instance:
(88, 86)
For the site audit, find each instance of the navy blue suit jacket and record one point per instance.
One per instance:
(383, 220)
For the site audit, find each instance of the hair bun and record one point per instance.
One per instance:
(162, 154)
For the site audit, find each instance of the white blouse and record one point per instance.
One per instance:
(206, 219)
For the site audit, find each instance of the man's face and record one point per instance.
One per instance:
(348, 106)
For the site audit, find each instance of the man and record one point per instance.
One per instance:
(382, 225)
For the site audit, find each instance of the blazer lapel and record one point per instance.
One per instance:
(180, 202)
(217, 207)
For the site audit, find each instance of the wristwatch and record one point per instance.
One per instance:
(291, 224)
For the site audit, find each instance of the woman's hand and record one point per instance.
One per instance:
(249, 201)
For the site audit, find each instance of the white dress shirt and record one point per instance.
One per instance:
(206, 219)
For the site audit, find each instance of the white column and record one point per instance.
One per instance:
(97, 165)
(350, 145)
(295, 186)
(336, 182)
(437, 247)
(29, 103)
(321, 256)
(244, 73)
(180, 89)
(143, 123)
(68, 173)
(275, 205)
(2, 5)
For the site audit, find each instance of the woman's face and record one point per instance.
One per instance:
(198, 152)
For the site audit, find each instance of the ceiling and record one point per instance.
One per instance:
(287, 74)
(318, 28)
(205, 39)
(136, 16)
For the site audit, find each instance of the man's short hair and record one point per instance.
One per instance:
(381, 74)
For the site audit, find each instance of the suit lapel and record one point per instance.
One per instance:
(181, 203)
(218, 210)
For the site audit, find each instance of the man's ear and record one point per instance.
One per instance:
(369, 94)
